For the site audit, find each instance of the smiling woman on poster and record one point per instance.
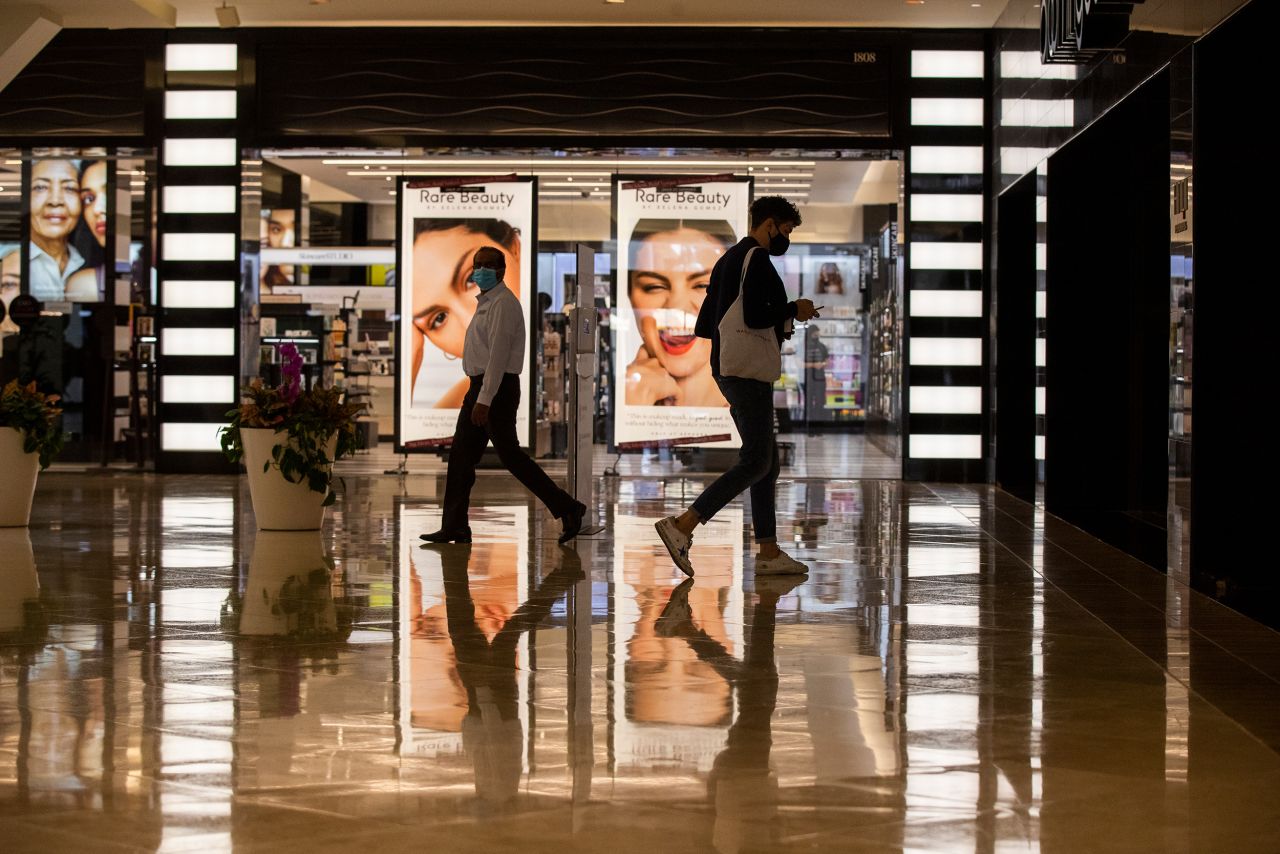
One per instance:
(670, 269)
(54, 204)
(671, 231)
(444, 297)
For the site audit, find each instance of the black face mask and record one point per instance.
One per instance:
(779, 244)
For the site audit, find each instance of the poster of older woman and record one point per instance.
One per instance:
(53, 200)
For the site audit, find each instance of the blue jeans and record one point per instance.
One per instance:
(751, 405)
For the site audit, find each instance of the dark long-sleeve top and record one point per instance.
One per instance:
(764, 303)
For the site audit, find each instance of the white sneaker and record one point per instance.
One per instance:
(783, 564)
(677, 543)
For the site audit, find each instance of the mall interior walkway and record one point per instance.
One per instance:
(956, 673)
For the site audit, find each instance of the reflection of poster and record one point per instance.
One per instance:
(279, 231)
(670, 707)
(67, 202)
(433, 696)
(669, 238)
(441, 227)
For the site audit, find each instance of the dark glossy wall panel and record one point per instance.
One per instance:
(1236, 307)
(1108, 300)
(83, 84)
(575, 83)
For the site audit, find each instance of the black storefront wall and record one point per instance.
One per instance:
(1236, 307)
(646, 88)
(1108, 306)
(579, 86)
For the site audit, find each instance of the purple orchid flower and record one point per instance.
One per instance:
(290, 373)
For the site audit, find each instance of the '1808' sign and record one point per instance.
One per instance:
(1075, 31)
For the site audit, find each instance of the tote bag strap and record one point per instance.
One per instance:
(746, 263)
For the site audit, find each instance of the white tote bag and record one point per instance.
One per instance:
(752, 354)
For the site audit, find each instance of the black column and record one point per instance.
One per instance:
(1106, 429)
(1015, 339)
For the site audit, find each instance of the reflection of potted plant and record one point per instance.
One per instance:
(24, 617)
(20, 590)
(289, 440)
(289, 591)
(29, 440)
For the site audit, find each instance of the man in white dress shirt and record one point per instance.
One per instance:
(493, 357)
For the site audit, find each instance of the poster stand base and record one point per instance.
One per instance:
(402, 469)
(612, 471)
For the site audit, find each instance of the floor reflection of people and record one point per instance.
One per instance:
(492, 734)
(811, 516)
(742, 788)
(439, 698)
(665, 682)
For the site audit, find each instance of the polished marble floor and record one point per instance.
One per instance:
(956, 673)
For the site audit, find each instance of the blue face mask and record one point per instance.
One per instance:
(485, 278)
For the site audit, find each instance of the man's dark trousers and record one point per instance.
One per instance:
(469, 442)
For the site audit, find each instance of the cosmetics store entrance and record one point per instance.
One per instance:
(329, 248)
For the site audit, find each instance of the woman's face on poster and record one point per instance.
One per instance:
(93, 198)
(830, 280)
(669, 282)
(280, 228)
(55, 199)
(444, 298)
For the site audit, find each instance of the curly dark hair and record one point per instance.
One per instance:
(776, 208)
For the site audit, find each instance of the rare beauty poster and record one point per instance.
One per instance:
(671, 232)
(442, 224)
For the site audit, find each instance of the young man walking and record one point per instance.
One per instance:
(750, 365)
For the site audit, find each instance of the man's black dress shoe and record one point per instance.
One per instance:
(573, 522)
(443, 536)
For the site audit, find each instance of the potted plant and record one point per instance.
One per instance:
(289, 440)
(29, 440)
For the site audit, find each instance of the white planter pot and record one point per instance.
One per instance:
(278, 504)
(280, 595)
(18, 581)
(18, 472)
